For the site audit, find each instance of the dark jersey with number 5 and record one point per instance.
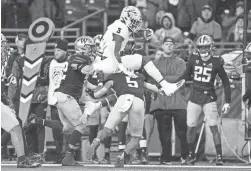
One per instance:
(205, 72)
(123, 84)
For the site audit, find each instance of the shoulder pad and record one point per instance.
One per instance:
(79, 59)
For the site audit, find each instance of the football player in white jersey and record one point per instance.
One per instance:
(115, 40)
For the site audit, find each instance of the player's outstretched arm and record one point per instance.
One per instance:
(101, 92)
(151, 87)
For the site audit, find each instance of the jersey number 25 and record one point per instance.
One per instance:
(202, 74)
(131, 83)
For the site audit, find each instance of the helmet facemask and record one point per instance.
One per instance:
(85, 46)
(204, 50)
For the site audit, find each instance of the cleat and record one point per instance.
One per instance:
(39, 158)
(27, 163)
(137, 160)
(68, 159)
(95, 160)
(219, 160)
(120, 161)
(105, 161)
(144, 158)
(190, 160)
(93, 148)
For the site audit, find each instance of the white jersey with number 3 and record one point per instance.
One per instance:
(107, 44)
(107, 47)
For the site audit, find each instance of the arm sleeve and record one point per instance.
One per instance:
(223, 75)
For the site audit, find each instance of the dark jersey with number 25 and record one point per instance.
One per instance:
(123, 84)
(205, 72)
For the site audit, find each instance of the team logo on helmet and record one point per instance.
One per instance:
(85, 45)
(131, 16)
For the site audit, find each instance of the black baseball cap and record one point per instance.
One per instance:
(168, 39)
(61, 44)
(207, 7)
(21, 36)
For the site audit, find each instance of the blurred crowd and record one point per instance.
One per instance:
(21, 13)
(186, 20)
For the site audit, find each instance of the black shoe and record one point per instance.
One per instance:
(35, 157)
(144, 158)
(137, 159)
(219, 160)
(120, 161)
(106, 160)
(92, 149)
(190, 160)
(27, 163)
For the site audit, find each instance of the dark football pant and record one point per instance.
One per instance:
(35, 134)
(164, 121)
(57, 134)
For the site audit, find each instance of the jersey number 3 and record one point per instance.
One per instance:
(131, 83)
(202, 74)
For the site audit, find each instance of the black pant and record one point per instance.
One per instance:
(164, 121)
(35, 134)
(57, 135)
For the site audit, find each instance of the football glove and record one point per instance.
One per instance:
(225, 108)
(170, 88)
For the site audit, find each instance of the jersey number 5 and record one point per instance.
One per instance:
(202, 74)
(131, 83)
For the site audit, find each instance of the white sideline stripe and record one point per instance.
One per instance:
(25, 100)
(145, 166)
(29, 65)
(28, 83)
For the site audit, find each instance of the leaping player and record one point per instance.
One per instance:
(115, 40)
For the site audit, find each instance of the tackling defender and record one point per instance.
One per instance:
(130, 92)
(205, 66)
(66, 93)
(115, 40)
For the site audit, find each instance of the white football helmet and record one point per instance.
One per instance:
(204, 46)
(85, 45)
(131, 16)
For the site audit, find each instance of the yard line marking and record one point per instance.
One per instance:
(145, 166)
